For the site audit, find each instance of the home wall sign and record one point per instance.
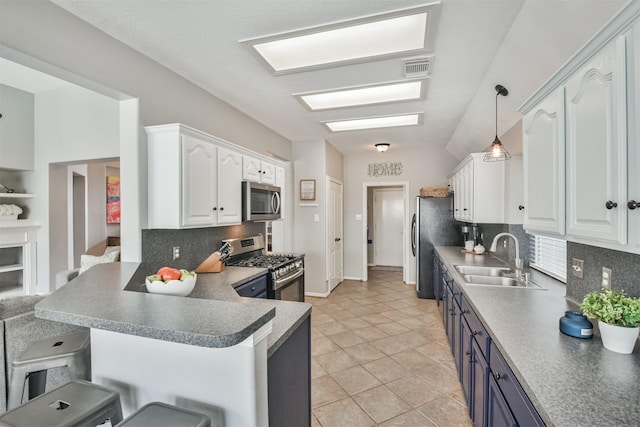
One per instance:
(385, 169)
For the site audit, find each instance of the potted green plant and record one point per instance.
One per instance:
(618, 318)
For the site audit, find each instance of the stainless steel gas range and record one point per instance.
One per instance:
(285, 280)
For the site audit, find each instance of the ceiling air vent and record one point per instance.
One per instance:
(417, 67)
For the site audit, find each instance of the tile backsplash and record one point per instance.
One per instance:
(625, 272)
(196, 244)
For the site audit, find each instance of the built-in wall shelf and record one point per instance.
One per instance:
(10, 267)
(16, 196)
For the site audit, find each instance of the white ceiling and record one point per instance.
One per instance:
(478, 44)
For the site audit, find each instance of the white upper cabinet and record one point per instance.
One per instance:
(632, 201)
(544, 160)
(258, 171)
(600, 115)
(596, 146)
(199, 191)
(229, 187)
(195, 180)
(479, 190)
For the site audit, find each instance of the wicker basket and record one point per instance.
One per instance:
(434, 191)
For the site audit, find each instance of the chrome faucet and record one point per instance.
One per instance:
(518, 261)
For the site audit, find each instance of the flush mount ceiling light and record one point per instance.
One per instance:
(496, 151)
(365, 95)
(382, 147)
(412, 119)
(356, 40)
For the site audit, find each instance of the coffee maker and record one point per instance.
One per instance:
(470, 232)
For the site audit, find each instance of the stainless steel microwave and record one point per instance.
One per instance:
(261, 202)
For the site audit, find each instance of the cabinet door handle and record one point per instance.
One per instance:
(610, 205)
(497, 376)
(222, 208)
(215, 209)
(464, 209)
(632, 204)
(521, 207)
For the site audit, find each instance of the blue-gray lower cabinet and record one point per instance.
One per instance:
(498, 413)
(493, 394)
(289, 380)
(516, 399)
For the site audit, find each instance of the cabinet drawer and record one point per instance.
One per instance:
(256, 288)
(477, 329)
(518, 402)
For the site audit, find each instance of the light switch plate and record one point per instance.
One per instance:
(577, 266)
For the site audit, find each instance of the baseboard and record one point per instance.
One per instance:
(410, 283)
(316, 294)
(357, 279)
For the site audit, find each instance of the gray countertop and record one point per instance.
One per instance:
(113, 297)
(570, 381)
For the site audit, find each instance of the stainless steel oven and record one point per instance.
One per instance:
(286, 271)
(289, 288)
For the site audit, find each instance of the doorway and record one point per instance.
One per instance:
(384, 233)
(387, 221)
(78, 218)
(335, 264)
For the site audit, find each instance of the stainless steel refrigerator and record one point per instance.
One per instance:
(432, 225)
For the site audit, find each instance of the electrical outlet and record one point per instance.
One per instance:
(606, 278)
(577, 265)
(176, 252)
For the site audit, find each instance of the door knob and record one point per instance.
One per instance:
(632, 204)
(337, 239)
(521, 208)
(610, 205)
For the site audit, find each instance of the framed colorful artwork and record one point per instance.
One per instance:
(113, 200)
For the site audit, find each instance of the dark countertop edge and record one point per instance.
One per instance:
(127, 272)
(182, 337)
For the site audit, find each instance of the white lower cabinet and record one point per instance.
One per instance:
(193, 182)
(479, 190)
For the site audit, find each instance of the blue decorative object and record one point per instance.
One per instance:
(575, 324)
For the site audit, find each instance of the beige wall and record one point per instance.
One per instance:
(335, 162)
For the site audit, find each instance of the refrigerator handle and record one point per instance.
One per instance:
(413, 235)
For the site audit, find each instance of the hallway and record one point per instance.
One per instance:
(380, 357)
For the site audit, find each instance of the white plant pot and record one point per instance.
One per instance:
(618, 338)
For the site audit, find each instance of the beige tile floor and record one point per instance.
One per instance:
(380, 357)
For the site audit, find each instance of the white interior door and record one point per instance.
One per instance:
(388, 217)
(334, 228)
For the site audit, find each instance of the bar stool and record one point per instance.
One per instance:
(158, 414)
(71, 351)
(75, 404)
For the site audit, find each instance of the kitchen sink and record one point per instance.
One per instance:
(478, 280)
(483, 271)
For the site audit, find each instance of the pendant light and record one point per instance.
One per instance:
(496, 151)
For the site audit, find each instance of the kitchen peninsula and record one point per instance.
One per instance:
(213, 348)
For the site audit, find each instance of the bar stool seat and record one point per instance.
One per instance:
(71, 351)
(158, 414)
(75, 404)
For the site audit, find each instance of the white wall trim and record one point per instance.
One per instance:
(405, 223)
(357, 279)
(317, 294)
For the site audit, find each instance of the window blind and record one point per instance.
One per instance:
(549, 256)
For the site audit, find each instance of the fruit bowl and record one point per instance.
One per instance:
(180, 288)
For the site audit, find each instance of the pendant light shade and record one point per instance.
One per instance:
(496, 151)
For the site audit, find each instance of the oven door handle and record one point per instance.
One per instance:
(281, 282)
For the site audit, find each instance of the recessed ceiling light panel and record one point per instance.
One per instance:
(378, 94)
(412, 119)
(377, 36)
